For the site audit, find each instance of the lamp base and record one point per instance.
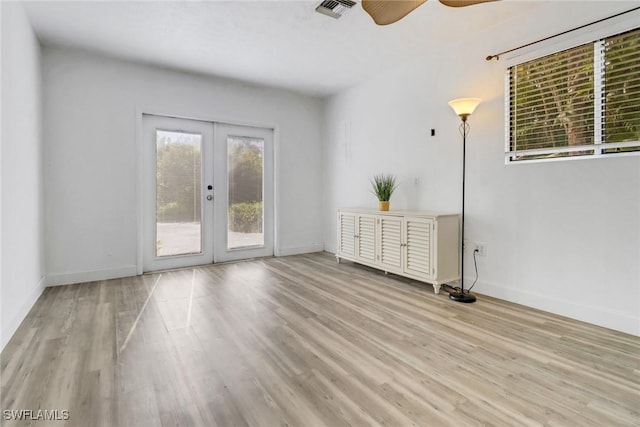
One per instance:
(462, 297)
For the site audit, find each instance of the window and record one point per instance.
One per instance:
(583, 101)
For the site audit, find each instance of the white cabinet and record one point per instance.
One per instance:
(419, 245)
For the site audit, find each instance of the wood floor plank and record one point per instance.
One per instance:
(304, 341)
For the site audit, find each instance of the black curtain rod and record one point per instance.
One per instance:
(497, 55)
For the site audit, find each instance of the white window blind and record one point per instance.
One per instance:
(583, 101)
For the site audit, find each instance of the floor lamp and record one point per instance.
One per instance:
(463, 108)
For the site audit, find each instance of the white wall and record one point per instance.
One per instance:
(21, 186)
(90, 105)
(563, 237)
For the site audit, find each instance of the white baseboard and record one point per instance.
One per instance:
(318, 247)
(59, 279)
(594, 315)
(9, 328)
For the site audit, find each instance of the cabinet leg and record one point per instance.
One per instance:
(338, 259)
(436, 289)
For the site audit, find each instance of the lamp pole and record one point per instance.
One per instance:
(463, 296)
(463, 108)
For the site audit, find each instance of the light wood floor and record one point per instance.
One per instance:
(303, 341)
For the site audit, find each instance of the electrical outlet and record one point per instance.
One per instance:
(481, 248)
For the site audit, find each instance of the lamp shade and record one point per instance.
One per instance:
(464, 106)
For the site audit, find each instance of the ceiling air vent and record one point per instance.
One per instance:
(335, 8)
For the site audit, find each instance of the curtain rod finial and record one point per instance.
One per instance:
(490, 57)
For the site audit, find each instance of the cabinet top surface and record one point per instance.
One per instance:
(397, 212)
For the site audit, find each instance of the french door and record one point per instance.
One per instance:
(244, 207)
(208, 192)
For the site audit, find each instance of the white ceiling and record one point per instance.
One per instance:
(286, 43)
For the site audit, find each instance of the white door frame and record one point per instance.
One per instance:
(194, 115)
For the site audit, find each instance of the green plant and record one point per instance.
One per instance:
(246, 217)
(383, 186)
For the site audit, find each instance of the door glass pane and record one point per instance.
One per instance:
(245, 161)
(178, 193)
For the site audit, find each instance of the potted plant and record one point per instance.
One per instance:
(383, 187)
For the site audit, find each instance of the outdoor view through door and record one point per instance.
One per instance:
(245, 166)
(178, 193)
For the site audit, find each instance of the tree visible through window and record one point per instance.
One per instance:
(573, 102)
(622, 90)
(246, 211)
(178, 193)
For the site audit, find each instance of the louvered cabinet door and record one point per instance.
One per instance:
(418, 247)
(390, 248)
(366, 238)
(347, 235)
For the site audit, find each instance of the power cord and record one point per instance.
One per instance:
(457, 288)
(475, 264)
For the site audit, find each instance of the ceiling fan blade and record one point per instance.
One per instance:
(462, 3)
(386, 12)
